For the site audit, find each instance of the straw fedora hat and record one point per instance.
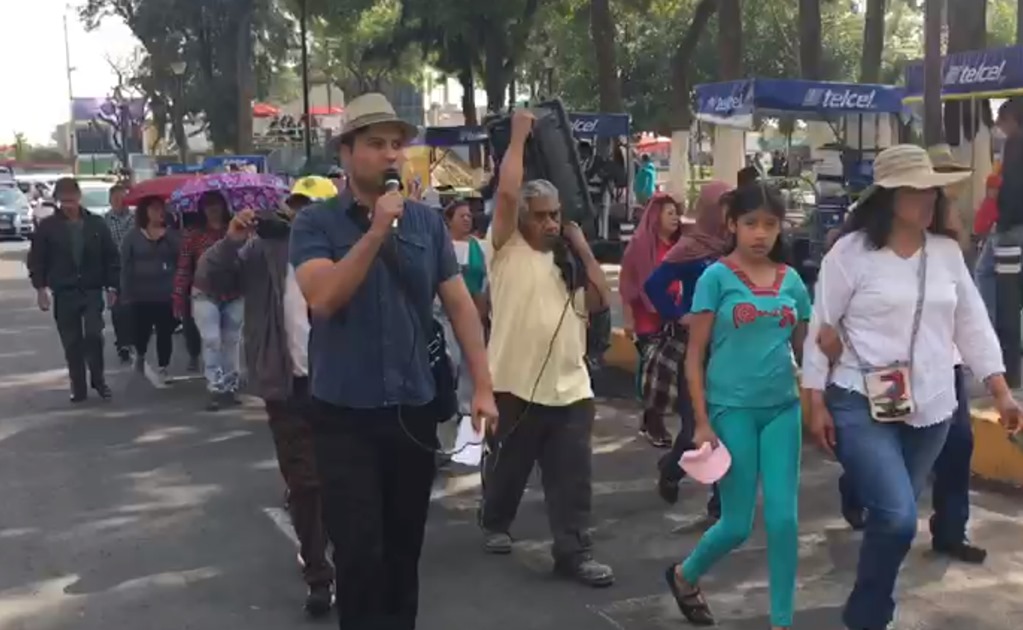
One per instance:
(943, 160)
(373, 109)
(908, 166)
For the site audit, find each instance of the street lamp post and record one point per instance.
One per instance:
(178, 69)
(303, 29)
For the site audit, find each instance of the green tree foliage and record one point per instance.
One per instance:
(344, 38)
(648, 32)
(234, 49)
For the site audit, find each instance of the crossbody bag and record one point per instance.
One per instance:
(889, 388)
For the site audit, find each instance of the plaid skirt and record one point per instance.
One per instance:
(661, 369)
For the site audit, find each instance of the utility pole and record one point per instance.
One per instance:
(304, 29)
(71, 141)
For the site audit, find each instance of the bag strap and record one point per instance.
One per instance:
(921, 291)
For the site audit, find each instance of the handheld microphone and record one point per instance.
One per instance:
(392, 183)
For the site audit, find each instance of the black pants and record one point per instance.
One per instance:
(148, 316)
(121, 317)
(193, 342)
(375, 484)
(79, 317)
(670, 470)
(293, 442)
(559, 439)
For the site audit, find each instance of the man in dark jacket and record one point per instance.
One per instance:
(74, 258)
(276, 337)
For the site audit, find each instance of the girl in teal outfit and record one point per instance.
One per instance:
(749, 313)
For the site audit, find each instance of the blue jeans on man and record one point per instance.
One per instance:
(886, 466)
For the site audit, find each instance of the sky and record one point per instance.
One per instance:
(34, 94)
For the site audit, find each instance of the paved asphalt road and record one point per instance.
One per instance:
(149, 513)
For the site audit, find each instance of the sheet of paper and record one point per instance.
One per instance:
(468, 444)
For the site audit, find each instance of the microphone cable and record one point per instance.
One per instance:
(482, 442)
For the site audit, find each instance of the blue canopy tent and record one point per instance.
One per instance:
(994, 73)
(737, 103)
(970, 76)
(741, 103)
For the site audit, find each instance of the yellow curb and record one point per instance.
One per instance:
(622, 353)
(995, 457)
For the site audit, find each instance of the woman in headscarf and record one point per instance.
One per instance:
(658, 231)
(670, 289)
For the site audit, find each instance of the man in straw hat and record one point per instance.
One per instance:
(893, 275)
(370, 263)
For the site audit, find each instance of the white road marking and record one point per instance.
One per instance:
(282, 521)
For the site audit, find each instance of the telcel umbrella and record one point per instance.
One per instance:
(160, 187)
(253, 191)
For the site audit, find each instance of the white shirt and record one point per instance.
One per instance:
(873, 294)
(296, 324)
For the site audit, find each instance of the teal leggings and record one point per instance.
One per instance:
(765, 445)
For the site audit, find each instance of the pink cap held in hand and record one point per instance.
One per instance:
(706, 464)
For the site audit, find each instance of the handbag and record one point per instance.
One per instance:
(889, 389)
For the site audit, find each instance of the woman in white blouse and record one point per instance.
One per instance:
(897, 290)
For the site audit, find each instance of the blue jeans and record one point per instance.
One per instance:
(951, 491)
(220, 327)
(887, 465)
(984, 275)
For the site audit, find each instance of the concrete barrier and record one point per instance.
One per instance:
(995, 457)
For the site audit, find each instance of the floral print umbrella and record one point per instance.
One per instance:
(241, 190)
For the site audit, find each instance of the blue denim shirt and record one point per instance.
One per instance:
(372, 352)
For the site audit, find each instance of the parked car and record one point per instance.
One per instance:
(15, 213)
(96, 195)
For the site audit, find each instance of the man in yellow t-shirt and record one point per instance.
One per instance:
(544, 282)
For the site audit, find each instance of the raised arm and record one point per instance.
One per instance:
(506, 203)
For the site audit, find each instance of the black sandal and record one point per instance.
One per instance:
(692, 604)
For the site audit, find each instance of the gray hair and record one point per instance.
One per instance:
(536, 189)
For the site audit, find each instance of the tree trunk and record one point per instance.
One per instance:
(810, 49)
(873, 42)
(729, 144)
(682, 116)
(681, 98)
(968, 123)
(1019, 22)
(933, 132)
(730, 40)
(246, 80)
(465, 78)
(602, 31)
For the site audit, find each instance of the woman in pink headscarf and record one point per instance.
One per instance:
(683, 265)
(659, 230)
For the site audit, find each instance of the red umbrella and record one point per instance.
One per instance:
(265, 110)
(325, 111)
(161, 187)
